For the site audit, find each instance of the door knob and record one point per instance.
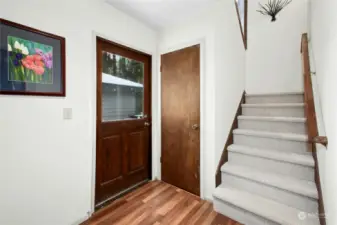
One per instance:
(147, 124)
(195, 126)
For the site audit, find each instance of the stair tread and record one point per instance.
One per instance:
(273, 105)
(274, 94)
(264, 207)
(275, 135)
(289, 157)
(298, 186)
(274, 119)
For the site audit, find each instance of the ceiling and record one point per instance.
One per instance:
(161, 13)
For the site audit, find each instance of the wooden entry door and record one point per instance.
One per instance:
(180, 75)
(123, 119)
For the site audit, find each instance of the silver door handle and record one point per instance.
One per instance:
(147, 124)
(195, 126)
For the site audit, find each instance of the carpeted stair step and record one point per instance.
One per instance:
(297, 193)
(287, 142)
(299, 166)
(252, 209)
(273, 124)
(274, 109)
(290, 97)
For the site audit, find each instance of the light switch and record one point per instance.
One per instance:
(67, 113)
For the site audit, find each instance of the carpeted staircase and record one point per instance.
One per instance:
(269, 177)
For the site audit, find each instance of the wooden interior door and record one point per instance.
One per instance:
(123, 119)
(180, 85)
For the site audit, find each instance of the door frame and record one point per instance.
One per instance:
(201, 42)
(93, 108)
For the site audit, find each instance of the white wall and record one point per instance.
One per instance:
(230, 59)
(323, 35)
(273, 55)
(222, 81)
(46, 163)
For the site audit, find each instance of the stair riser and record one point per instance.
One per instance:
(273, 111)
(264, 164)
(272, 126)
(271, 143)
(285, 197)
(240, 215)
(274, 99)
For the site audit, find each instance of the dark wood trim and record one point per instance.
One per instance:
(123, 46)
(244, 30)
(103, 206)
(308, 92)
(189, 61)
(321, 210)
(230, 140)
(30, 29)
(312, 122)
(143, 57)
(309, 96)
(150, 115)
(63, 60)
(246, 25)
(121, 49)
(321, 140)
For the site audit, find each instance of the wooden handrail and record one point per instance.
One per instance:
(310, 112)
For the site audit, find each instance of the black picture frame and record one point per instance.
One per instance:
(26, 69)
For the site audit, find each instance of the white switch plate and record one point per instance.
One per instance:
(67, 113)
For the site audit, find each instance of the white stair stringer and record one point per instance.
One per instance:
(300, 194)
(270, 174)
(288, 142)
(252, 209)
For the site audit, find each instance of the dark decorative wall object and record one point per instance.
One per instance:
(273, 7)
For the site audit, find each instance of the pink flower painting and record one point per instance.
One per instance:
(29, 61)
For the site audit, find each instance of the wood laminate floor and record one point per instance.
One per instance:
(158, 203)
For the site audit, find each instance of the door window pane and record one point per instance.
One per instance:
(122, 88)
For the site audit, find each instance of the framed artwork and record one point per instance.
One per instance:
(242, 10)
(32, 62)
